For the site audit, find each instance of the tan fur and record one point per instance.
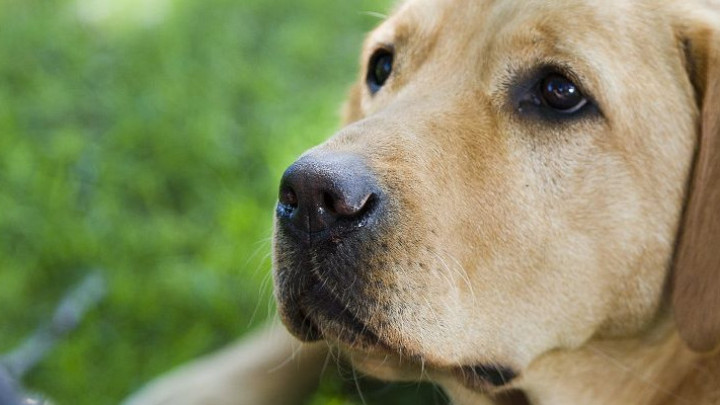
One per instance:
(697, 261)
(548, 248)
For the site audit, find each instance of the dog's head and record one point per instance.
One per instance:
(511, 180)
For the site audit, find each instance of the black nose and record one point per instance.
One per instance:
(331, 192)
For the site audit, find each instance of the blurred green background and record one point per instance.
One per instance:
(146, 139)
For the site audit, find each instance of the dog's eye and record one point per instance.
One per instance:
(552, 94)
(379, 69)
(561, 94)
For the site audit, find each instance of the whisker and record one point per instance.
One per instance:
(450, 283)
(263, 286)
(464, 275)
(296, 347)
(375, 14)
(328, 356)
(262, 243)
(439, 395)
(438, 321)
(357, 386)
(422, 369)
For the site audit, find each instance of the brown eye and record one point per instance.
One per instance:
(560, 93)
(379, 69)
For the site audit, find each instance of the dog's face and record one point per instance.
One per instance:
(509, 182)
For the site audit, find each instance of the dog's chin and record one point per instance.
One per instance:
(319, 315)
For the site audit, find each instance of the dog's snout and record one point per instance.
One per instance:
(327, 193)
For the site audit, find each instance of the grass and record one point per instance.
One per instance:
(149, 144)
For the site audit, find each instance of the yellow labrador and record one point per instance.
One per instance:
(526, 195)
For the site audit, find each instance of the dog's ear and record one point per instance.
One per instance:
(696, 273)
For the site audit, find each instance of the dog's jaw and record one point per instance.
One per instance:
(646, 369)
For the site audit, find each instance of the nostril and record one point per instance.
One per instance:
(331, 203)
(348, 208)
(369, 203)
(287, 202)
(288, 197)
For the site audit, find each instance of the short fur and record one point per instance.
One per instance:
(584, 254)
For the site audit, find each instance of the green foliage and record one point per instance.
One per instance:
(151, 147)
(350, 388)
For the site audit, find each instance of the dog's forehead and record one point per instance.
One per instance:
(485, 42)
(477, 19)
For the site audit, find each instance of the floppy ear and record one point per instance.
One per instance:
(696, 274)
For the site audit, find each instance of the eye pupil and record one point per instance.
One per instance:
(561, 94)
(383, 67)
(380, 68)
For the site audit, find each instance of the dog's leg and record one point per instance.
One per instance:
(268, 367)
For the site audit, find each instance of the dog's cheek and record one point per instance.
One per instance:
(352, 109)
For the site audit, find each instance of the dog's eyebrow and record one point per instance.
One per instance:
(387, 33)
(416, 25)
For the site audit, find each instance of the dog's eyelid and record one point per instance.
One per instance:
(547, 68)
(388, 46)
(378, 47)
(562, 70)
(575, 109)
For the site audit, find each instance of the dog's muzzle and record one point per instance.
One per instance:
(331, 232)
(328, 211)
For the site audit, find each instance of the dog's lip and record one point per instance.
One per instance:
(484, 377)
(313, 312)
(300, 325)
(356, 335)
(319, 314)
(335, 322)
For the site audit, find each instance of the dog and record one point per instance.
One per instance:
(525, 196)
